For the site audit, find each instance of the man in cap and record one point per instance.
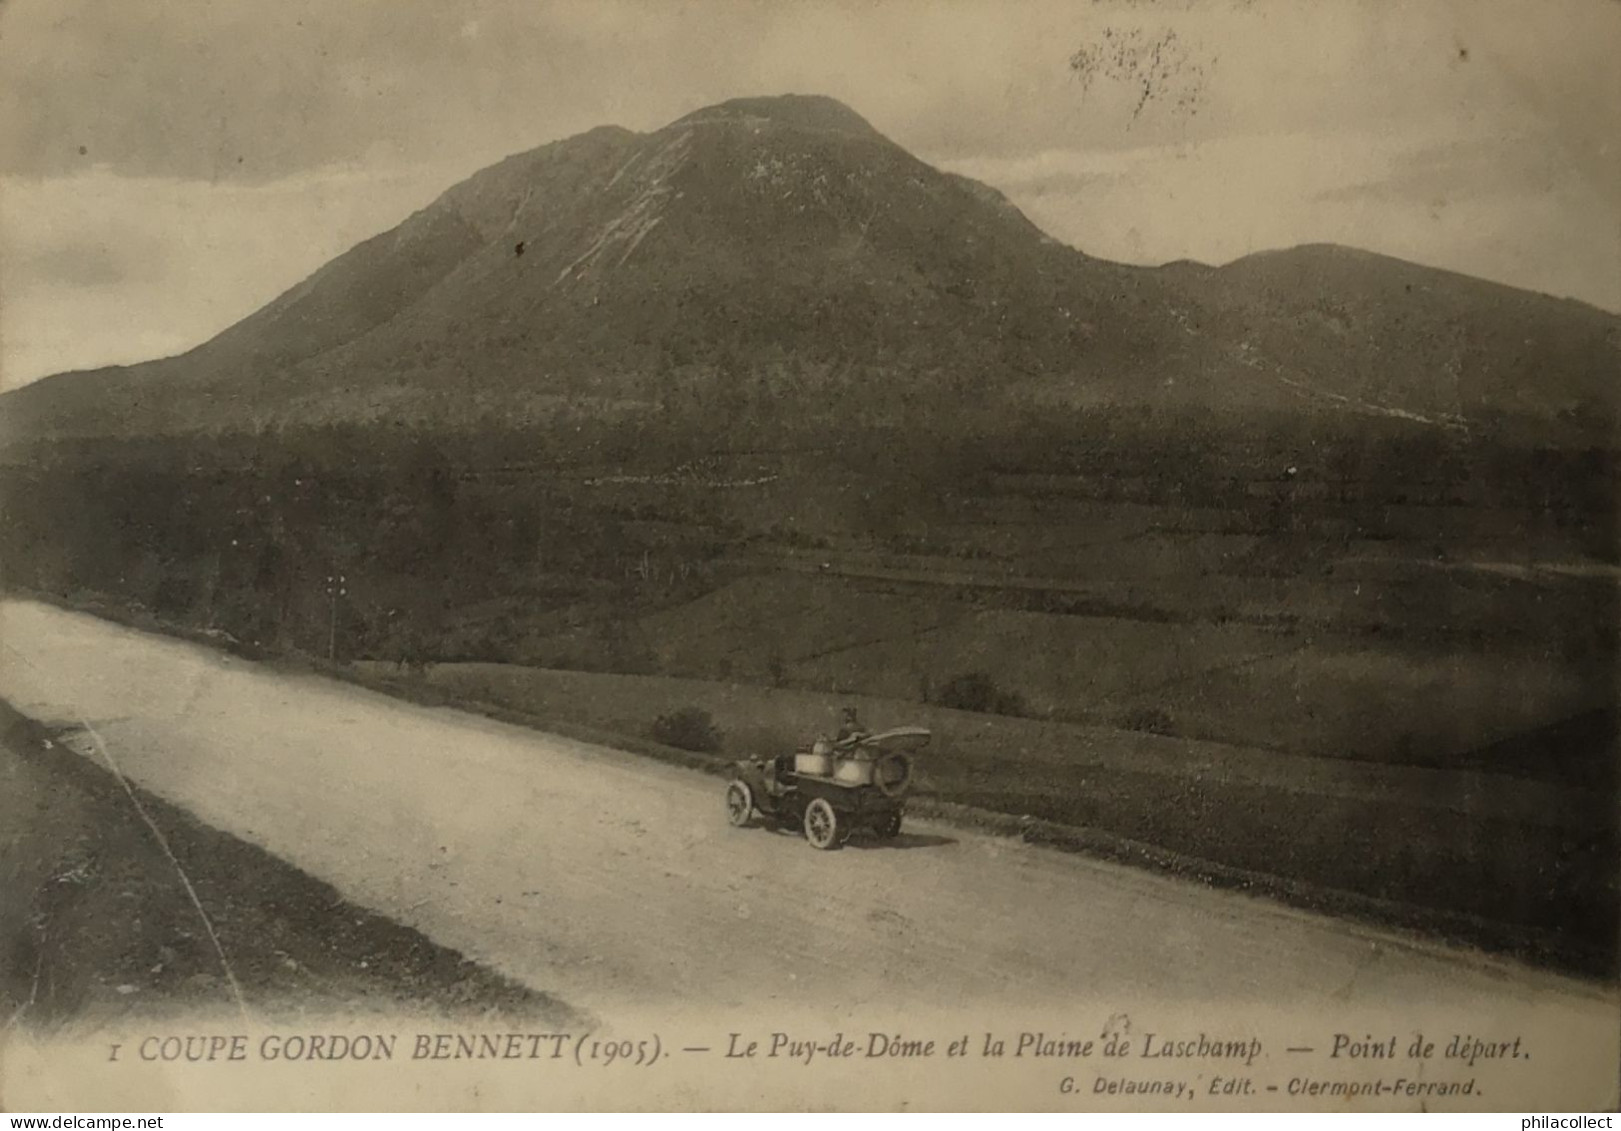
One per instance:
(850, 731)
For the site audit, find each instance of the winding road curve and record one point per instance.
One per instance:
(605, 878)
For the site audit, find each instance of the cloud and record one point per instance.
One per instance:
(1487, 206)
(243, 90)
(246, 91)
(70, 261)
(1454, 171)
(105, 269)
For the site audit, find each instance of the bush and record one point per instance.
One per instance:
(1152, 720)
(976, 691)
(690, 728)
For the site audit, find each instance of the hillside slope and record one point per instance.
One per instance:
(779, 252)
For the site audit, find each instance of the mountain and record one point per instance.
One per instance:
(1365, 332)
(768, 253)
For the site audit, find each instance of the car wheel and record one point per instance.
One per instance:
(822, 825)
(739, 804)
(892, 774)
(888, 826)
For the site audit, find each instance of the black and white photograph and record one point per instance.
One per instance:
(821, 555)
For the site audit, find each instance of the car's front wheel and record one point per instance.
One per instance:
(739, 804)
(821, 824)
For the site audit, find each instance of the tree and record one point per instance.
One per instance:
(976, 691)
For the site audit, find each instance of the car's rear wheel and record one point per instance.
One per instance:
(892, 774)
(739, 803)
(822, 824)
(888, 827)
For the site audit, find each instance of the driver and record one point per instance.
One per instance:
(850, 731)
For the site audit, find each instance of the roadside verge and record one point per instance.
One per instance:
(104, 915)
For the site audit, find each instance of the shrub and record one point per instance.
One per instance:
(976, 691)
(690, 728)
(1153, 720)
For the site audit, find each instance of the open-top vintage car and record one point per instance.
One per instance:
(830, 789)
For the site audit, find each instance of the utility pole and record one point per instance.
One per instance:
(334, 589)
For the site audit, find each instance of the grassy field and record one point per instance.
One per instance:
(1391, 704)
(1290, 688)
(1389, 675)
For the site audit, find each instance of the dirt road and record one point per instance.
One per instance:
(603, 877)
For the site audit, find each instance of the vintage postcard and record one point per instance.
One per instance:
(1053, 555)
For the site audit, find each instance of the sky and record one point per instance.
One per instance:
(169, 166)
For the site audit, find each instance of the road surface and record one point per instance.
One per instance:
(607, 878)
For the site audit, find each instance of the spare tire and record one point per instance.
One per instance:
(893, 773)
